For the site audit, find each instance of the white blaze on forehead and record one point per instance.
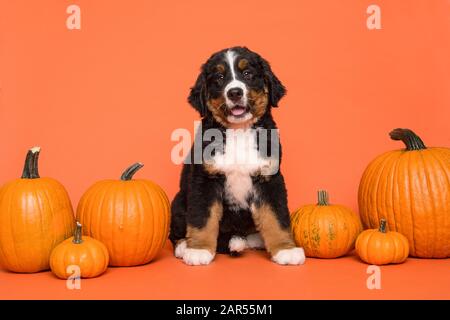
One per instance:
(230, 57)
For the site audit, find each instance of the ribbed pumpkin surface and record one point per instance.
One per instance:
(411, 190)
(380, 247)
(324, 230)
(130, 217)
(88, 254)
(35, 215)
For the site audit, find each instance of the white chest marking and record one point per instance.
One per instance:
(239, 162)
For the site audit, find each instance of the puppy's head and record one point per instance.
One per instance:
(236, 86)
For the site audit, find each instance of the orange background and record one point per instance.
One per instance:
(100, 98)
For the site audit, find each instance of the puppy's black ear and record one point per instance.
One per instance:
(197, 97)
(274, 85)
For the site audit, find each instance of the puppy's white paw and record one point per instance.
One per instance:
(237, 244)
(197, 257)
(254, 241)
(294, 256)
(180, 248)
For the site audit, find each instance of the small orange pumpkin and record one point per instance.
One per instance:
(131, 217)
(376, 246)
(410, 189)
(88, 254)
(324, 230)
(35, 216)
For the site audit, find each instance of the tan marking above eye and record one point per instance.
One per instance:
(220, 68)
(243, 63)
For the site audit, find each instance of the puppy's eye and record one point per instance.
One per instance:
(218, 78)
(247, 74)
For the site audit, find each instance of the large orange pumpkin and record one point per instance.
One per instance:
(410, 188)
(35, 216)
(325, 230)
(131, 217)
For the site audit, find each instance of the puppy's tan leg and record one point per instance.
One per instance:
(201, 243)
(278, 241)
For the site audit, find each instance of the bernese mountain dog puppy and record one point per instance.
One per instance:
(234, 197)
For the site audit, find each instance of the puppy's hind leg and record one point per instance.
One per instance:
(255, 241)
(237, 245)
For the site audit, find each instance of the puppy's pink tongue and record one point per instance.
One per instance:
(237, 111)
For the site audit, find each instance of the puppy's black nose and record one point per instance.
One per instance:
(235, 94)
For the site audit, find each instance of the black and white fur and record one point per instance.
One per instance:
(236, 90)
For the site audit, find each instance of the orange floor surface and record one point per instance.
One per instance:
(251, 276)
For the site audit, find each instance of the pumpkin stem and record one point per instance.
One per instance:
(77, 235)
(31, 168)
(382, 226)
(409, 138)
(130, 171)
(322, 196)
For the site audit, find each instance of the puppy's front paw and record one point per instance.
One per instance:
(197, 257)
(180, 248)
(293, 256)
